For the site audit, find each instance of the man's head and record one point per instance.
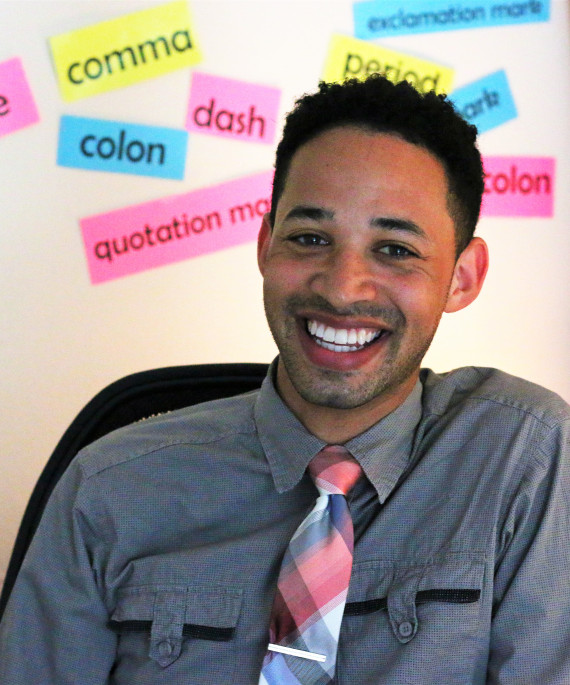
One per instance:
(427, 120)
(359, 262)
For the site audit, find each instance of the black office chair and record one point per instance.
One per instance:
(135, 397)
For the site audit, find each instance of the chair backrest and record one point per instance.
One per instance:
(135, 397)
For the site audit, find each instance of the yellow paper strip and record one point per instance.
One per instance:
(352, 58)
(123, 51)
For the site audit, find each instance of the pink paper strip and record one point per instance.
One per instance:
(518, 186)
(175, 228)
(232, 109)
(17, 106)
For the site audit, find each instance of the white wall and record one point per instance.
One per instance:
(63, 339)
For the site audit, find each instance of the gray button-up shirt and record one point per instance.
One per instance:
(157, 557)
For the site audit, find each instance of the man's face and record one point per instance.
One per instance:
(357, 269)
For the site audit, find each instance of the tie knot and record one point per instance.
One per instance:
(334, 470)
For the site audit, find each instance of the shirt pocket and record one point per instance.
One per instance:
(176, 629)
(414, 618)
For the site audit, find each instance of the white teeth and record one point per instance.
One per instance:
(329, 335)
(340, 339)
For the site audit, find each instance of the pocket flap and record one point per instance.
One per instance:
(214, 607)
(400, 588)
(172, 612)
(457, 571)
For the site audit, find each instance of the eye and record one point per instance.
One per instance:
(308, 240)
(397, 251)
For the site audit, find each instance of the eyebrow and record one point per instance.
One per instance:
(310, 212)
(393, 224)
(387, 223)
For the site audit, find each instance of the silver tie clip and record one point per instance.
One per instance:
(296, 652)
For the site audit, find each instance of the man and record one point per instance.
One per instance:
(158, 556)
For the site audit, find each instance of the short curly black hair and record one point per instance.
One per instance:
(428, 120)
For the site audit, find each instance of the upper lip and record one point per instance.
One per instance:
(347, 323)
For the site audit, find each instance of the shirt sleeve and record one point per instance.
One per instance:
(54, 630)
(530, 630)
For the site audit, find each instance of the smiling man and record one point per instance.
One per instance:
(359, 519)
(358, 269)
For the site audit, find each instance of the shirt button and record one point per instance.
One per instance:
(405, 629)
(165, 648)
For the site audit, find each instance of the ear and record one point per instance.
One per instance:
(263, 240)
(468, 275)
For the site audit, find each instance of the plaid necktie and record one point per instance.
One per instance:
(313, 582)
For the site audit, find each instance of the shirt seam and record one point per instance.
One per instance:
(558, 419)
(147, 452)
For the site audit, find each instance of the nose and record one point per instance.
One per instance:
(347, 276)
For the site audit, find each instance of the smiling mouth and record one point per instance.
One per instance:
(342, 339)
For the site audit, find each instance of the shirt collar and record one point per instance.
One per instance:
(383, 450)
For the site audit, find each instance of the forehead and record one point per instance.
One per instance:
(358, 169)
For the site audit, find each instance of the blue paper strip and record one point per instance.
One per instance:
(487, 103)
(381, 18)
(122, 147)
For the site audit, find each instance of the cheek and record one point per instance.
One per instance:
(283, 277)
(278, 285)
(419, 299)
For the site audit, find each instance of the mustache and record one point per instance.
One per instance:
(388, 315)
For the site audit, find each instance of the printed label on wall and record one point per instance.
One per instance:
(17, 106)
(232, 109)
(383, 18)
(119, 52)
(175, 228)
(123, 148)
(518, 186)
(352, 58)
(487, 103)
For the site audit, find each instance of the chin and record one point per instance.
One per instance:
(339, 395)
